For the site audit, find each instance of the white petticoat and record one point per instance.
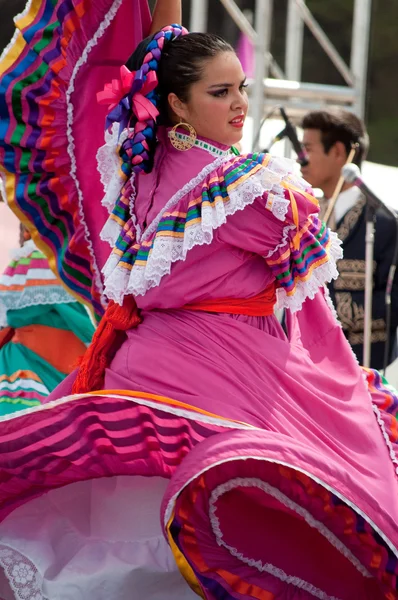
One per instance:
(94, 540)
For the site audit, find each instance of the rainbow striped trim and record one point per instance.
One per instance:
(20, 390)
(28, 281)
(340, 522)
(385, 406)
(303, 261)
(34, 179)
(38, 74)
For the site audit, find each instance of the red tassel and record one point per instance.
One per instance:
(107, 339)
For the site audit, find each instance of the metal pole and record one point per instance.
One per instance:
(294, 52)
(369, 255)
(199, 12)
(263, 19)
(324, 41)
(294, 42)
(360, 51)
(246, 27)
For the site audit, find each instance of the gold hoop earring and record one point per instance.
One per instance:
(183, 142)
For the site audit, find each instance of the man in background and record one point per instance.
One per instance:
(328, 138)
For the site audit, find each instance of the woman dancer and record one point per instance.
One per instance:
(271, 465)
(44, 330)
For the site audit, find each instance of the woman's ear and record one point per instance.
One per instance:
(178, 108)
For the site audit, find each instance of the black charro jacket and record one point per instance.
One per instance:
(348, 291)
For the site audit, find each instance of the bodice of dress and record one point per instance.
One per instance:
(172, 170)
(207, 225)
(219, 270)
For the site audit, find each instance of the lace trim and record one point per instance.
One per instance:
(138, 230)
(21, 574)
(110, 232)
(171, 503)
(3, 316)
(24, 251)
(108, 166)
(390, 447)
(188, 187)
(14, 38)
(166, 251)
(320, 275)
(330, 304)
(286, 501)
(379, 418)
(32, 297)
(284, 241)
(69, 131)
(112, 229)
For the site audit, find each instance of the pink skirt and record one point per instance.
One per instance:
(240, 465)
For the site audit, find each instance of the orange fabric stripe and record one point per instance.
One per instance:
(394, 429)
(29, 283)
(309, 197)
(20, 375)
(165, 400)
(293, 203)
(261, 305)
(58, 347)
(236, 583)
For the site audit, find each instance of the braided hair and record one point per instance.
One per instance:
(173, 60)
(138, 149)
(138, 142)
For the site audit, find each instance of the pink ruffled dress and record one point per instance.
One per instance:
(225, 458)
(270, 459)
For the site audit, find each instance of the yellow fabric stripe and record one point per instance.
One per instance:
(182, 563)
(19, 44)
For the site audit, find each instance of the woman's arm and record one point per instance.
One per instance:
(166, 12)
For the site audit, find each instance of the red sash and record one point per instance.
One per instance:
(261, 305)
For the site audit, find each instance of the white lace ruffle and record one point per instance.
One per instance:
(32, 297)
(331, 305)
(3, 193)
(24, 251)
(186, 189)
(166, 251)
(290, 504)
(111, 230)
(21, 574)
(320, 275)
(110, 15)
(393, 456)
(3, 316)
(17, 33)
(108, 165)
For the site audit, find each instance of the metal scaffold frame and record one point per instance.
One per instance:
(286, 87)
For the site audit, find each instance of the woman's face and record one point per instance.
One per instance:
(217, 104)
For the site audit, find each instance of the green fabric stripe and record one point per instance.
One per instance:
(34, 77)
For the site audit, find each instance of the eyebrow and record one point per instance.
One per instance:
(227, 85)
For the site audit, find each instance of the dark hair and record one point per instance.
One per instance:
(339, 125)
(181, 65)
(177, 58)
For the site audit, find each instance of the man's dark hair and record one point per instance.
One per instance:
(339, 125)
